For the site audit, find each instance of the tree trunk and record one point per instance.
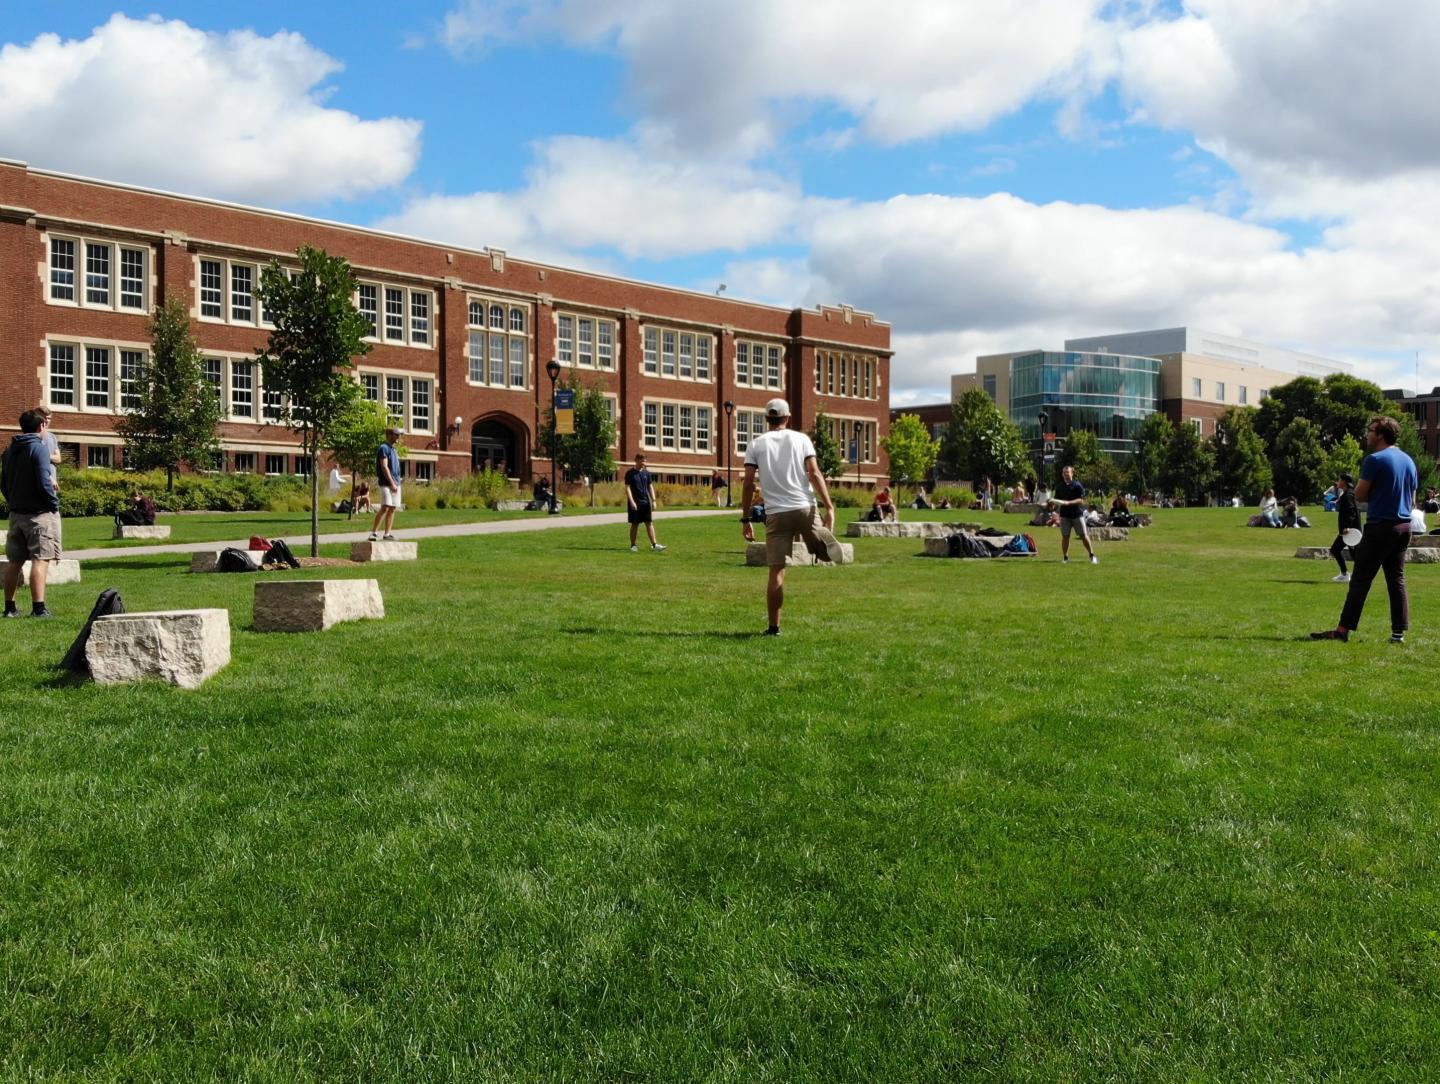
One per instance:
(312, 442)
(170, 479)
(351, 514)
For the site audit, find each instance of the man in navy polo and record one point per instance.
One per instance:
(1388, 480)
(1070, 500)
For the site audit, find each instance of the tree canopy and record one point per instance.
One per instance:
(1298, 461)
(911, 448)
(1152, 448)
(979, 441)
(1188, 471)
(1242, 469)
(828, 453)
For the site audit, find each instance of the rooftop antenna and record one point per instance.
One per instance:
(719, 289)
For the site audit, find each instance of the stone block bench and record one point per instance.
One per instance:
(315, 605)
(918, 529)
(511, 506)
(1415, 555)
(62, 571)
(209, 560)
(384, 551)
(149, 533)
(799, 555)
(1109, 534)
(183, 647)
(1023, 508)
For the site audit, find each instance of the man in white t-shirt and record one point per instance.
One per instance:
(786, 465)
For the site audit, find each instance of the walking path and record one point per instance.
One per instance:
(448, 530)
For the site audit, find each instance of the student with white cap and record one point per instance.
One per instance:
(784, 462)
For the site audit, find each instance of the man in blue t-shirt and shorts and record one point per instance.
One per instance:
(1388, 480)
(640, 504)
(387, 472)
(784, 462)
(1070, 500)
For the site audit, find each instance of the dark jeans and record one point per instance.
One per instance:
(1381, 546)
(1337, 551)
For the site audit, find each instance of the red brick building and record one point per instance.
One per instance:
(460, 345)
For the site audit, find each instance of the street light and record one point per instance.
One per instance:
(729, 410)
(552, 369)
(1043, 419)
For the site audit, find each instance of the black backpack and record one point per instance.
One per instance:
(109, 602)
(280, 553)
(236, 560)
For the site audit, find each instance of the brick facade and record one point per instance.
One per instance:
(178, 233)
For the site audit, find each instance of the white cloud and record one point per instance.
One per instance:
(234, 115)
(721, 73)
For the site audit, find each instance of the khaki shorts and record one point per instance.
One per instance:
(33, 537)
(783, 528)
(1076, 524)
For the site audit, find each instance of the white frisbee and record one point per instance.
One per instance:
(1351, 537)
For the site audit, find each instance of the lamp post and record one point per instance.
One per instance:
(552, 369)
(1043, 419)
(729, 410)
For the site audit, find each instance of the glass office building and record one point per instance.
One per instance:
(1108, 394)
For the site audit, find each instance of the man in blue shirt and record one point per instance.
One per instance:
(1070, 500)
(387, 472)
(1388, 480)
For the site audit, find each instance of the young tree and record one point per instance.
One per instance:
(912, 450)
(1103, 476)
(318, 333)
(828, 453)
(1152, 449)
(1298, 460)
(979, 440)
(175, 420)
(1189, 467)
(354, 436)
(1241, 466)
(1337, 405)
(1344, 458)
(1081, 451)
(589, 450)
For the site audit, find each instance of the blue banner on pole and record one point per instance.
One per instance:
(854, 451)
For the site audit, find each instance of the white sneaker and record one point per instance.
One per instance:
(634, 549)
(1344, 577)
(1094, 560)
(1064, 560)
(657, 547)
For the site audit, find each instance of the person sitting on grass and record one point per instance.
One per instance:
(1269, 509)
(141, 512)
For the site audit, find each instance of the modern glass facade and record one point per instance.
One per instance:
(1108, 394)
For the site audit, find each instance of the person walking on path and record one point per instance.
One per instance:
(640, 503)
(1388, 480)
(387, 471)
(718, 489)
(784, 461)
(1070, 500)
(27, 480)
(1349, 519)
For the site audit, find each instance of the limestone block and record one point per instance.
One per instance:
(917, 529)
(314, 605)
(384, 551)
(511, 506)
(1109, 534)
(151, 533)
(183, 647)
(1425, 541)
(62, 571)
(1320, 553)
(799, 555)
(1425, 555)
(1415, 555)
(209, 560)
(1023, 508)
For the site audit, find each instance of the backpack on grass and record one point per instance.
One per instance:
(109, 602)
(236, 560)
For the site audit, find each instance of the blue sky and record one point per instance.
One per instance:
(984, 175)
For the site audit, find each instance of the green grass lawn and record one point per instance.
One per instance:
(94, 532)
(563, 815)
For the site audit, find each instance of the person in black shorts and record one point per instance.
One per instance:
(1069, 499)
(640, 504)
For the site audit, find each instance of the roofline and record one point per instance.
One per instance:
(371, 231)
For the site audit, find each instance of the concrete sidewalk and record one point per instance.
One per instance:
(414, 534)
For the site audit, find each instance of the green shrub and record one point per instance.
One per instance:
(102, 492)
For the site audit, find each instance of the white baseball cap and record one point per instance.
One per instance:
(777, 408)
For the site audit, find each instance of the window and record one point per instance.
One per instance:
(242, 389)
(274, 464)
(368, 302)
(749, 424)
(1244, 395)
(420, 405)
(215, 376)
(989, 383)
(409, 400)
(97, 274)
(494, 357)
(370, 387)
(605, 344)
(687, 355)
(394, 314)
(1264, 394)
(302, 465)
(585, 352)
(245, 462)
(272, 405)
(676, 354)
(683, 427)
(242, 293)
(819, 372)
(1198, 425)
(395, 399)
(1195, 391)
(424, 472)
(97, 377)
(565, 340)
(132, 371)
(652, 351)
(1219, 391)
(114, 274)
(98, 455)
(585, 341)
(62, 375)
(667, 352)
(742, 363)
(702, 357)
(212, 289)
(419, 318)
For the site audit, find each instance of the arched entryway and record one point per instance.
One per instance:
(493, 444)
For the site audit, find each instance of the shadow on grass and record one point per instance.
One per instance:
(647, 634)
(134, 563)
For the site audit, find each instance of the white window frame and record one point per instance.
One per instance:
(586, 341)
(405, 325)
(666, 423)
(116, 294)
(79, 378)
(845, 427)
(489, 321)
(685, 355)
(378, 379)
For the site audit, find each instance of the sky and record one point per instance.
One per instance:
(984, 175)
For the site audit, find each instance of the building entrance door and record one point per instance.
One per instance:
(492, 445)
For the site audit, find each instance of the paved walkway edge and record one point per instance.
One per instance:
(414, 534)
